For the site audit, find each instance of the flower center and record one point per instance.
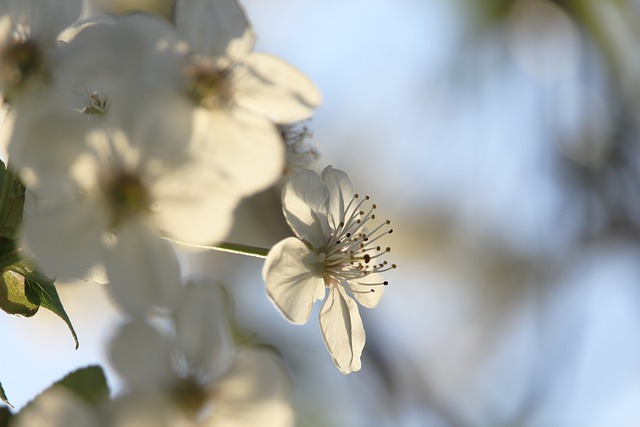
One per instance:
(190, 396)
(353, 252)
(98, 105)
(208, 86)
(126, 196)
(19, 60)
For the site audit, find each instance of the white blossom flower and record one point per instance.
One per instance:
(28, 32)
(195, 376)
(120, 195)
(333, 250)
(236, 96)
(106, 74)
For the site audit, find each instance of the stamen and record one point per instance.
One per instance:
(208, 86)
(350, 252)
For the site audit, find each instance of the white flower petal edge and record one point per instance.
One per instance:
(143, 270)
(269, 86)
(254, 392)
(293, 274)
(342, 330)
(66, 239)
(202, 329)
(215, 28)
(142, 356)
(305, 201)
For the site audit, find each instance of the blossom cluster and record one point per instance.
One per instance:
(133, 131)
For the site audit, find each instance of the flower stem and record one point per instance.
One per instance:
(234, 248)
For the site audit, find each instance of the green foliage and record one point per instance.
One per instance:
(3, 397)
(41, 292)
(13, 295)
(23, 289)
(11, 203)
(88, 383)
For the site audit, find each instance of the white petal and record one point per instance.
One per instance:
(244, 149)
(143, 270)
(141, 356)
(293, 275)
(146, 409)
(192, 205)
(254, 392)
(215, 28)
(119, 58)
(66, 238)
(340, 191)
(305, 201)
(43, 19)
(45, 137)
(202, 329)
(56, 407)
(342, 330)
(271, 87)
(363, 292)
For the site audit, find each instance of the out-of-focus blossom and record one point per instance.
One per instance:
(333, 249)
(236, 96)
(195, 377)
(28, 33)
(113, 206)
(106, 74)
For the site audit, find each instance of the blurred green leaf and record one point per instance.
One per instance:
(11, 203)
(88, 383)
(41, 290)
(9, 254)
(3, 397)
(13, 295)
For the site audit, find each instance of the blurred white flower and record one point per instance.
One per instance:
(107, 73)
(57, 407)
(28, 32)
(236, 96)
(333, 249)
(119, 196)
(195, 377)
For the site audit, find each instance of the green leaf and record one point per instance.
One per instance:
(9, 253)
(13, 295)
(88, 383)
(23, 289)
(11, 203)
(41, 291)
(3, 397)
